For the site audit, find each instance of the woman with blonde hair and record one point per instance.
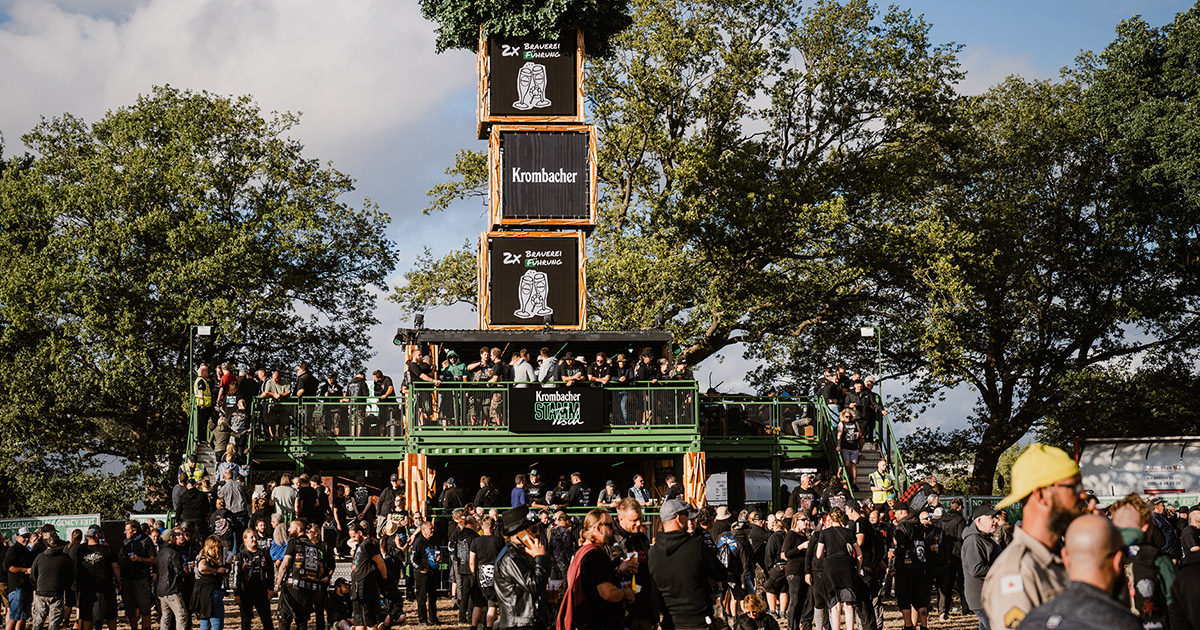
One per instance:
(593, 597)
(208, 596)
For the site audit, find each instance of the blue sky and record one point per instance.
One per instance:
(380, 105)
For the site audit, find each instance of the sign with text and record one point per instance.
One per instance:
(534, 78)
(556, 409)
(64, 523)
(545, 175)
(534, 278)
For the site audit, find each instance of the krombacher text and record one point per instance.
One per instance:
(561, 176)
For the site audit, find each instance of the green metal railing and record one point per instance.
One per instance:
(738, 416)
(892, 452)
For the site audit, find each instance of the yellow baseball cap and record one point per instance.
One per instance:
(1039, 466)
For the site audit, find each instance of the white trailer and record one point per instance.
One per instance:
(1149, 466)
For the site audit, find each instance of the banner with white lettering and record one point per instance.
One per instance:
(64, 523)
(533, 278)
(556, 410)
(544, 175)
(533, 78)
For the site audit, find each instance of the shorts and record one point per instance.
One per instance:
(912, 589)
(849, 455)
(20, 604)
(366, 610)
(135, 594)
(776, 581)
(735, 588)
(97, 605)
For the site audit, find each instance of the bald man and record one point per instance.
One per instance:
(1092, 555)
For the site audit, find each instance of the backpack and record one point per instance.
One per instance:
(1172, 546)
(916, 496)
(727, 550)
(308, 563)
(1142, 591)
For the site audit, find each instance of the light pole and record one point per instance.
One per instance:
(876, 332)
(194, 330)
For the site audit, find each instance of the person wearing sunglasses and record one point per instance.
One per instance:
(1030, 572)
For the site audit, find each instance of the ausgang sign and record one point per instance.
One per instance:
(544, 174)
(556, 410)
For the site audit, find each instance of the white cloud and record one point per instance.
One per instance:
(358, 71)
(986, 67)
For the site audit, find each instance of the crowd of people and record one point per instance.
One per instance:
(561, 556)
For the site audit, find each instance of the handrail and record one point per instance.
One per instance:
(832, 451)
(900, 471)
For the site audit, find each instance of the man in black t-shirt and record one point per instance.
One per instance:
(306, 498)
(367, 570)
(804, 499)
(385, 391)
(674, 489)
(579, 495)
(600, 373)
(482, 559)
(305, 392)
(298, 578)
(835, 496)
(425, 567)
(571, 371)
(535, 490)
(96, 578)
(137, 557)
(18, 560)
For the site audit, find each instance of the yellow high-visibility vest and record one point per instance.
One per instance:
(204, 395)
(885, 482)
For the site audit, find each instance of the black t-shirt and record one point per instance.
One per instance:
(18, 555)
(361, 496)
(223, 525)
(255, 569)
(310, 511)
(536, 493)
(247, 390)
(382, 385)
(600, 370)
(486, 549)
(838, 543)
(363, 568)
(95, 570)
(593, 611)
(803, 500)
(1190, 537)
(850, 432)
(579, 495)
(835, 498)
(140, 546)
(415, 370)
(674, 492)
(795, 555)
(308, 383)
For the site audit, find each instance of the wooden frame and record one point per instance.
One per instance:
(496, 177)
(483, 115)
(485, 280)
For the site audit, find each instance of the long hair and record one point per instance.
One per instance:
(212, 550)
(593, 518)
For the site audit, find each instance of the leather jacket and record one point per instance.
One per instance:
(520, 588)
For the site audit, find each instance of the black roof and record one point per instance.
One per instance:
(543, 337)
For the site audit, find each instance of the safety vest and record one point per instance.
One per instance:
(204, 396)
(878, 480)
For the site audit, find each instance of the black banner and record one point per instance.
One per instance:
(533, 78)
(544, 175)
(556, 410)
(533, 277)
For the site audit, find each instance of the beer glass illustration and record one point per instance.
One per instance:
(531, 86)
(533, 293)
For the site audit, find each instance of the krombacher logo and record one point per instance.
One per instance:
(561, 176)
(557, 408)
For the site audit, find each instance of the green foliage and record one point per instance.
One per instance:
(1160, 398)
(440, 281)
(468, 180)
(459, 21)
(932, 450)
(184, 208)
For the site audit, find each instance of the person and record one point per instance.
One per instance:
(674, 489)
(208, 596)
(367, 571)
(298, 577)
(1028, 573)
(623, 375)
(169, 582)
(979, 552)
(460, 549)
(1184, 609)
(522, 371)
(630, 540)
(385, 390)
(1190, 535)
(804, 499)
(18, 560)
(137, 559)
(1092, 556)
(51, 574)
(426, 558)
(883, 487)
(521, 573)
(638, 491)
(484, 550)
(518, 496)
(284, 496)
(1147, 571)
(561, 544)
(600, 373)
(609, 496)
(843, 559)
(579, 495)
(682, 568)
(850, 441)
(594, 597)
(547, 371)
(356, 394)
(755, 616)
(202, 391)
(252, 585)
(912, 581)
(274, 391)
(96, 577)
(339, 610)
(835, 497)
(950, 578)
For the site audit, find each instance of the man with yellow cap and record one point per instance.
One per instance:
(1046, 481)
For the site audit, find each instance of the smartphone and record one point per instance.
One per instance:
(524, 537)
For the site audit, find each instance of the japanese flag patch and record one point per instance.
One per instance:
(1010, 584)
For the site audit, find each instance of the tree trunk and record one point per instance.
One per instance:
(996, 439)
